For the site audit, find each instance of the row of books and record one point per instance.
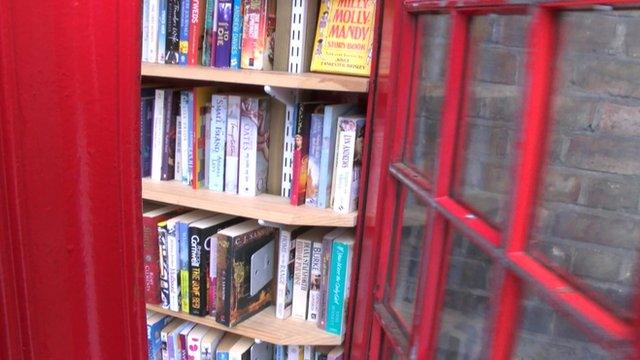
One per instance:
(205, 140)
(169, 338)
(204, 263)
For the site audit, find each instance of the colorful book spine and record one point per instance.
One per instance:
(254, 146)
(177, 174)
(209, 36)
(151, 255)
(185, 20)
(224, 23)
(197, 282)
(153, 336)
(190, 137)
(301, 279)
(328, 146)
(258, 28)
(171, 103)
(301, 154)
(147, 99)
(236, 35)
(158, 134)
(349, 140)
(162, 30)
(183, 248)
(181, 341)
(327, 245)
(201, 112)
(313, 164)
(145, 29)
(194, 341)
(196, 27)
(232, 145)
(213, 275)
(315, 282)
(173, 265)
(164, 263)
(217, 142)
(154, 23)
(222, 280)
(173, 32)
(338, 285)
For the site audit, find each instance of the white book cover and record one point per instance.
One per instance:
(177, 169)
(145, 29)
(210, 343)
(286, 266)
(315, 281)
(154, 23)
(206, 120)
(232, 145)
(184, 137)
(348, 128)
(194, 341)
(158, 135)
(309, 352)
(293, 351)
(254, 146)
(217, 139)
(301, 279)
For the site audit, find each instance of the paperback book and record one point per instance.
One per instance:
(254, 146)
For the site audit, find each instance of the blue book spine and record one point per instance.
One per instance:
(224, 21)
(222, 355)
(207, 40)
(183, 248)
(236, 35)
(190, 137)
(153, 337)
(336, 293)
(313, 164)
(185, 9)
(146, 131)
(162, 30)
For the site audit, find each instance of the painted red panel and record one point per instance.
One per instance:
(70, 193)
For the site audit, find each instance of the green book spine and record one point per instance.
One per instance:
(341, 251)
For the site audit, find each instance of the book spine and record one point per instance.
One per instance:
(279, 352)
(343, 173)
(293, 352)
(207, 151)
(300, 153)
(183, 248)
(162, 30)
(173, 32)
(184, 136)
(327, 245)
(164, 264)
(177, 173)
(185, 20)
(196, 24)
(146, 135)
(208, 38)
(213, 275)
(222, 355)
(287, 151)
(232, 145)
(158, 135)
(254, 134)
(253, 34)
(313, 164)
(327, 155)
(336, 297)
(145, 30)
(169, 142)
(223, 291)
(217, 142)
(223, 35)
(183, 346)
(164, 345)
(314, 282)
(150, 252)
(309, 352)
(196, 275)
(236, 35)
(154, 23)
(286, 244)
(301, 279)
(155, 344)
(190, 139)
(173, 264)
(193, 345)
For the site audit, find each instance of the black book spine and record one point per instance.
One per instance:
(223, 293)
(173, 32)
(196, 306)
(171, 106)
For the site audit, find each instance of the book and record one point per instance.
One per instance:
(232, 145)
(261, 351)
(185, 20)
(295, 352)
(177, 168)
(147, 99)
(347, 163)
(228, 340)
(164, 336)
(158, 134)
(154, 23)
(171, 108)
(236, 35)
(241, 350)
(344, 37)
(185, 132)
(162, 30)
(190, 138)
(163, 247)
(201, 111)
(254, 146)
(322, 352)
(172, 42)
(286, 263)
(194, 341)
(173, 340)
(224, 22)
(151, 248)
(209, 344)
(328, 146)
(155, 323)
(302, 271)
(336, 354)
(200, 233)
(280, 352)
(315, 281)
(196, 31)
(327, 245)
(309, 352)
(313, 164)
(301, 150)
(145, 30)
(338, 288)
(258, 28)
(245, 271)
(208, 40)
(181, 348)
(217, 151)
(303, 16)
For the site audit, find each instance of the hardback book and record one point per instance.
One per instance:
(217, 142)
(245, 271)
(313, 164)
(261, 351)
(301, 150)
(254, 146)
(164, 336)
(280, 352)
(147, 99)
(338, 290)
(336, 354)
(172, 42)
(154, 23)
(236, 35)
(344, 37)
(171, 108)
(150, 250)
(162, 30)
(200, 234)
(347, 163)
(194, 341)
(158, 134)
(328, 146)
(259, 23)
(286, 263)
(295, 352)
(209, 344)
(155, 323)
(185, 21)
(232, 145)
(173, 340)
(208, 40)
(196, 31)
(228, 340)
(224, 23)
(303, 17)
(163, 248)
(182, 343)
(173, 253)
(145, 30)
(177, 168)
(327, 245)
(201, 111)
(315, 281)
(309, 352)
(302, 271)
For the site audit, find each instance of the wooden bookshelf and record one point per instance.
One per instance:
(267, 207)
(265, 327)
(309, 81)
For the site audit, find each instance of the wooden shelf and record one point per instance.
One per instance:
(267, 207)
(265, 327)
(309, 81)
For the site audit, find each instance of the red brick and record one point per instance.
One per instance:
(618, 119)
(614, 155)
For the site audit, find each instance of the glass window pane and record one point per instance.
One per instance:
(545, 334)
(466, 304)
(434, 30)
(408, 253)
(498, 54)
(588, 224)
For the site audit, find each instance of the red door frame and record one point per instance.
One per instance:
(387, 174)
(70, 285)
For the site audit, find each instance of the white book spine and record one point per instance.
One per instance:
(173, 265)
(184, 137)
(158, 135)
(343, 174)
(145, 29)
(284, 250)
(287, 151)
(165, 345)
(232, 145)
(309, 352)
(194, 342)
(301, 279)
(154, 19)
(177, 173)
(292, 352)
(206, 120)
(247, 158)
(217, 141)
(314, 282)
